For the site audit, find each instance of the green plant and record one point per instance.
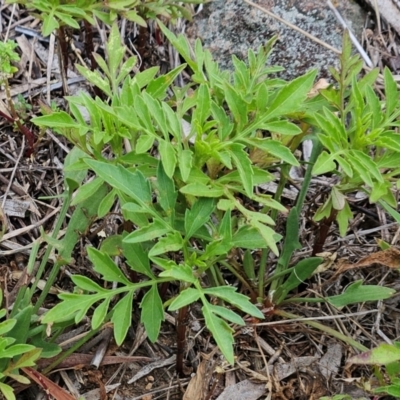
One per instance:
(8, 55)
(361, 144)
(58, 13)
(387, 355)
(187, 186)
(14, 353)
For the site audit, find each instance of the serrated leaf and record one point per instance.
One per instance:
(122, 317)
(103, 264)
(152, 313)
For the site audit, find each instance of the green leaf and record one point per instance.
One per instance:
(201, 190)
(368, 164)
(275, 148)
(248, 238)
(85, 283)
(358, 293)
(87, 190)
(7, 391)
(301, 271)
(152, 313)
(240, 301)
(325, 163)
(236, 104)
(95, 79)
(168, 157)
(171, 242)
(343, 217)
(338, 199)
(203, 107)
(268, 234)
(152, 231)
(106, 203)
(103, 264)
(115, 51)
(100, 313)
(49, 24)
(16, 350)
(282, 127)
(198, 215)
(384, 354)
(144, 143)
(185, 297)
(166, 188)
(227, 314)
(7, 325)
(185, 162)
(291, 97)
(122, 317)
(180, 273)
(221, 332)
(391, 94)
(58, 119)
(137, 258)
(244, 166)
(134, 184)
(157, 88)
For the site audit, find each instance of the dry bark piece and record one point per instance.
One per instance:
(194, 390)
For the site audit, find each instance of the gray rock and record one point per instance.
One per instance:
(228, 27)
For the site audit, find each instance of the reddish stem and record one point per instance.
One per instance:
(181, 338)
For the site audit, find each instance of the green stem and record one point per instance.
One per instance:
(323, 328)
